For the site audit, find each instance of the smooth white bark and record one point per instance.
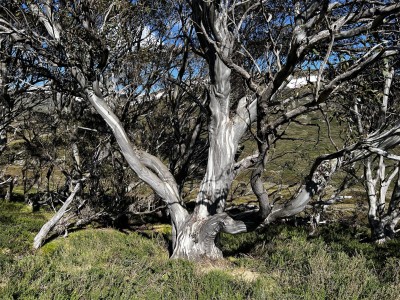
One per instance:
(46, 228)
(165, 185)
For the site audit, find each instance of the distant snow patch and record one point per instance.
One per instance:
(301, 81)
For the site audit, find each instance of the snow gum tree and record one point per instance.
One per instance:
(372, 108)
(263, 44)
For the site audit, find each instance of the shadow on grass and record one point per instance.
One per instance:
(339, 237)
(353, 241)
(245, 243)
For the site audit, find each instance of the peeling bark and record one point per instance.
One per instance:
(223, 142)
(197, 238)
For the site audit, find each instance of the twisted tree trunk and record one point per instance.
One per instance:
(196, 240)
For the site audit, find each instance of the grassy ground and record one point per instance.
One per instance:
(281, 263)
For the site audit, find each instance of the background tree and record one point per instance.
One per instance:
(371, 108)
(21, 91)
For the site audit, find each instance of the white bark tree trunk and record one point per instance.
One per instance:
(46, 228)
(197, 238)
(223, 146)
(3, 107)
(382, 222)
(149, 168)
